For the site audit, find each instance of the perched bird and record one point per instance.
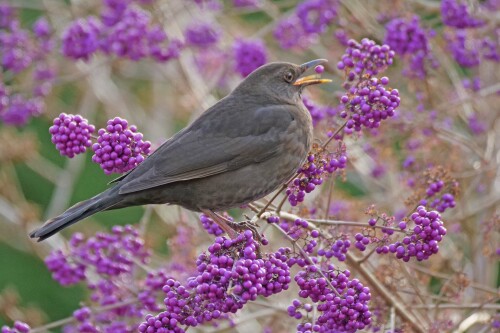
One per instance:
(239, 150)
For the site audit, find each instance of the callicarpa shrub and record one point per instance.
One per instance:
(391, 224)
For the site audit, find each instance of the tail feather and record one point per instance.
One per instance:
(77, 212)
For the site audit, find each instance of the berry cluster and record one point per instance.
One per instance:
(348, 313)
(19, 327)
(310, 18)
(456, 14)
(289, 33)
(81, 38)
(446, 201)
(210, 226)
(368, 103)
(246, 3)
(342, 310)
(109, 262)
(249, 55)
(71, 134)
(338, 249)
(108, 254)
(409, 40)
(149, 296)
(365, 57)
(23, 50)
(202, 34)
(422, 241)
(229, 276)
(436, 185)
(119, 148)
(65, 270)
(361, 241)
(124, 30)
(465, 51)
(316, 15)
(318, 164)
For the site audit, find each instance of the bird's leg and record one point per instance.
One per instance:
(222, 222)
(249, 224)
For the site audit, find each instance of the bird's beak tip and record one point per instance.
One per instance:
(311, 79)
(312, 63)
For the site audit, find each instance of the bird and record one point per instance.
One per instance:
(239, 150)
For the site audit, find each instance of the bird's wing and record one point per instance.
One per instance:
(213, 145)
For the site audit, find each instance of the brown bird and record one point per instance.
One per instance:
(239, 150)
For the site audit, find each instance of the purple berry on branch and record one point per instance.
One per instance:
(365, 57)
(19, 327)
(202, 34)
(82, 38)
(455, 13)
(119, 148)
(316, 15)
(422, 240)
(249, 55)
(210, 226)
(71, 134)
(408, 39)
(368, 103)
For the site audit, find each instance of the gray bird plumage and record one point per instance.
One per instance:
(237, 151)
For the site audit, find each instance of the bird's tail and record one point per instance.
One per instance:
(79, 211)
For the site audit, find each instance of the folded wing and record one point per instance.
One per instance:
(210, 147)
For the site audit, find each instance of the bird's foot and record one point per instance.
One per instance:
(247, 225)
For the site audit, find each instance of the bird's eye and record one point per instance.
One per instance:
(288, 77)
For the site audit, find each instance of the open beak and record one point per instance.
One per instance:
(311, 79)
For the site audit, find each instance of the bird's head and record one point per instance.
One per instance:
(282, 79)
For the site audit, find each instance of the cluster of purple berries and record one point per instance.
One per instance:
(365, 58)
(210, 226)
(368, 103)
(19, 327)
(456, 14)
(316, 15)
(124, 30)
(71, 134)
(112, 260)
(153, 283)
(348, 313)
(311, 174)
(229, 276)
(408, 39)
(24, 50)
(465, 51)
(104, 321)
(362, 241)
(64, 269)
(107, 254)
(119, 148)
(342, 310)
(338, 249)
(249, 55)
(202, 34)
(422, 241)
(310, 18)
(447, 200)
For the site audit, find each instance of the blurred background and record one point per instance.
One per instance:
(447, 75)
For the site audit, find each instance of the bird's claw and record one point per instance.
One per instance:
(247, 225)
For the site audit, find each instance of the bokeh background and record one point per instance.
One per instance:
(449, 117)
